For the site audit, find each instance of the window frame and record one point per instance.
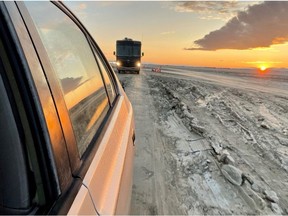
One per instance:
(108, 70)
(16, 41)
(79, 166)
(55, 88)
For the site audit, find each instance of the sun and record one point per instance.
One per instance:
(263, 68)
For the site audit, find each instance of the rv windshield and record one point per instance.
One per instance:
(128, 50)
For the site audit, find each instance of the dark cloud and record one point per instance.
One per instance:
(206, 9)
(262, 25)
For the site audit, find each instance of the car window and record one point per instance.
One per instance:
(107, 79)
(76, 69)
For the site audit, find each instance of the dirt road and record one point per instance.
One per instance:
(209, 143)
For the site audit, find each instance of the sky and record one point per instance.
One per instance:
(230, 34)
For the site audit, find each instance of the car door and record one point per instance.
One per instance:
(34, 152)
(95, 115)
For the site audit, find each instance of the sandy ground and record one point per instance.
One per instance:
(209, 143)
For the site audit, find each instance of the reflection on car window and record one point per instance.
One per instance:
(108, 83)
(76, 69)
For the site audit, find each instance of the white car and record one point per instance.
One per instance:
(66, 125)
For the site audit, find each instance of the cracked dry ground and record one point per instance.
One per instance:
(218, 150)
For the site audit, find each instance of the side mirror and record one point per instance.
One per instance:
(114, 53)
(142, 53)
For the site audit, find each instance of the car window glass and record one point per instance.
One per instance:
(73, 61)
(107, 79)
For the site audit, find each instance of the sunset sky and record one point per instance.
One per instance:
(196, 33)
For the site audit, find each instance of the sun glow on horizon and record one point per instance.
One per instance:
(263, 68)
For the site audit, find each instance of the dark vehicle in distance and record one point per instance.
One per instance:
(128, 55)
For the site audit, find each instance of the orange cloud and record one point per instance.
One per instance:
(280, 40)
